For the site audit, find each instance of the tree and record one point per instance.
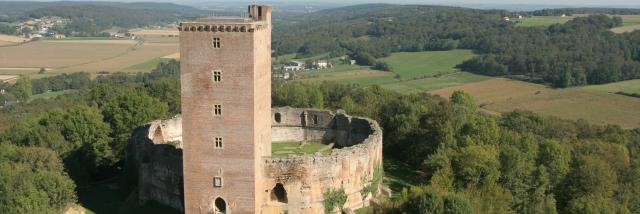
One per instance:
(425, 203)
(32, 180)
(476, 166)
(454, 204)
(22, 88)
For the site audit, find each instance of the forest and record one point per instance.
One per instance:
(580, 52)
(468, 161)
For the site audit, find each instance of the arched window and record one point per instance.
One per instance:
(278, 117)
(279, 194)
(220, 206)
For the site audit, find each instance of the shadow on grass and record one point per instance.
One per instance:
(398, 175)
(104, 199)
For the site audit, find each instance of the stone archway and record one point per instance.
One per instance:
(219, 206)
(279, 194)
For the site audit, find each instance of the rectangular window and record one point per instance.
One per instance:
(218, 142)
(217, 181)
(217, 76)
(215, 43)
(217, 110)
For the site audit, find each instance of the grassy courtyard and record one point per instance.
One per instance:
(284, 149)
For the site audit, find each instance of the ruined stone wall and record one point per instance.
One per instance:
(154, 159)
(306, 178)
(155, 156)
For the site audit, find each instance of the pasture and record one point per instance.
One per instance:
(71, 55)
(629, 86)
(629, 23)
(412, 71)
(541, 20)
(501, 95)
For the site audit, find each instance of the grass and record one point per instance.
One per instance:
(148, 65)
(629, 86)
(283, 149)
(101, 199)
(541, 21)
(48, 95)
(412, 65)
(426, 84)
(398, 176)
(500, 95)
(418, 71)
(629, 23)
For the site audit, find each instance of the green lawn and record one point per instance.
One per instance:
(411, 65)
(103, 199)
(48, 95)
(629, 86)
(541, 21)
(283, 149)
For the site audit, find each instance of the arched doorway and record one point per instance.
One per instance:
(220, 206)
(279, 194)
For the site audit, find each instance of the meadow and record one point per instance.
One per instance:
(500, 95)
(629, 86)
(411, 71)
(629, 23)
(541, 20)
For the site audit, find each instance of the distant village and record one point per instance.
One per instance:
(45, 27)
(289, 69)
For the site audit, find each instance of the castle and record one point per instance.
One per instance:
(217, 158)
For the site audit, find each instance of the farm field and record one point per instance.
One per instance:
(542, 20)
(629, 86)
(7, 39)
(418, 71)
(66, 56)
(629, 23)
(500, 95)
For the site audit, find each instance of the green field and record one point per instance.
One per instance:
(412, 65)
(541, 21)
(629, 86)
(49, 95)
(284, 149)
(411, 72)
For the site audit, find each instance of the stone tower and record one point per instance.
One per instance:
(226, 108)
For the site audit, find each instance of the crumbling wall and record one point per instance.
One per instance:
(154, 159)
(306, 178)
(154, 154)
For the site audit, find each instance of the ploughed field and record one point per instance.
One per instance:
(75, 55)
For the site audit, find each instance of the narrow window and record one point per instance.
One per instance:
(216, 43)
(217, 142)
(315, 119)
(278, 117)
(217, 182)
(217, 110)
(217, 76)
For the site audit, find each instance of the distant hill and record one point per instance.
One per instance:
(74, 9)
(582, 51)
(571, 11)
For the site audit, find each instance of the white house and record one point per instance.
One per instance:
(322, 64)
(293, 66)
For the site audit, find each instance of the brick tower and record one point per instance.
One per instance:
(226, 108)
